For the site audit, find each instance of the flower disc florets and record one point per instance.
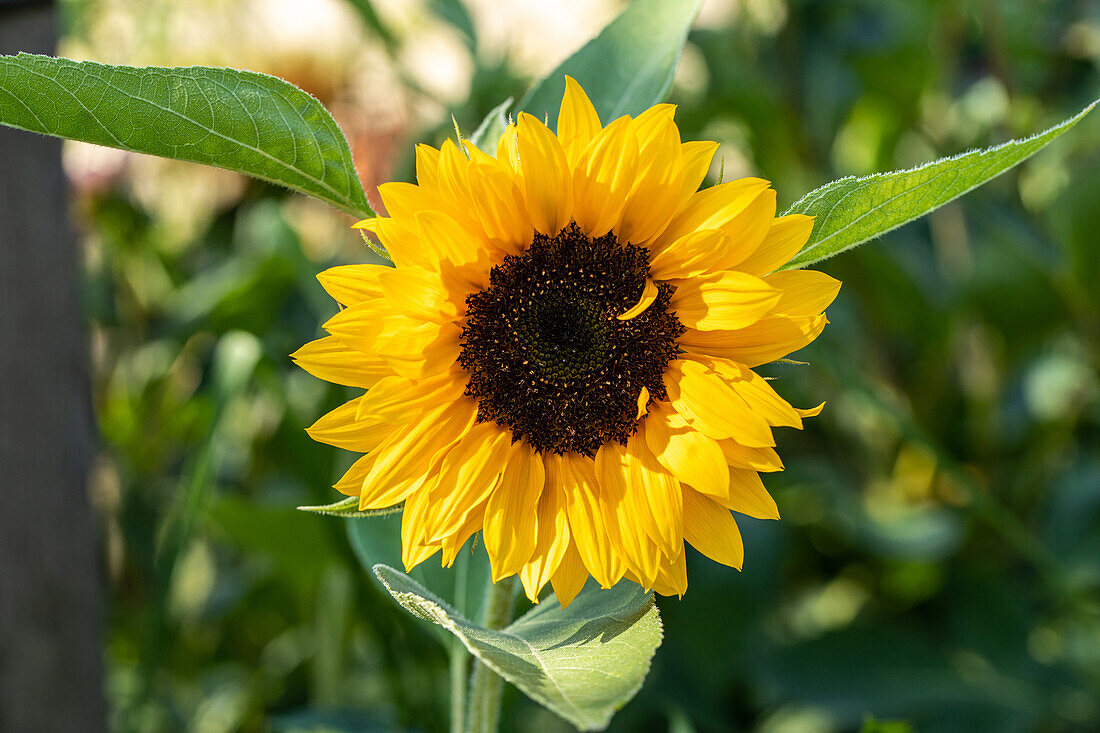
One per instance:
(548, 356)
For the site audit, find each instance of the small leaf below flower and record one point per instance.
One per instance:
(348, 508)
(583, 662)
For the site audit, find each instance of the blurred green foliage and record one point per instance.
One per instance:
(938, 563)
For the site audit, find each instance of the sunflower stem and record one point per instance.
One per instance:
(459, 657)
(486, 687)
(459, 669)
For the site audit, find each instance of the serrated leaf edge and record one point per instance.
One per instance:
(813, 195)
(346, 202)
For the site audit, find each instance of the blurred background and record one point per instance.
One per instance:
(939, 557)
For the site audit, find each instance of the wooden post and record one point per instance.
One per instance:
(51, 675)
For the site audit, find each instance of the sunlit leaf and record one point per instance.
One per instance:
(851, 211)
(627, 68)
(583, 662)
(240, 120)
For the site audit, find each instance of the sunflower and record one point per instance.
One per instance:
(562, 356)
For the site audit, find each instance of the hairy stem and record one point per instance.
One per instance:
(486, 687)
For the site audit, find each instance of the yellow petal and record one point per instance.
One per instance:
(588, 515)
(603, 177)
(578, 121)
(758, 459)
(690, 255)
(695, 158)
(454, 542)
(656, 496)
(553, 540)
(510, 531)
(570, 576)
(453, 189)
(783, 241)
(723, 301)
(765, 341)
(403, 200)
(481, 194)
(341, 429)
(804, 292)
(748, 496)
(330, 359)
(711, 208)
(351, 483)
(356, 326)
(643, 403)
(711, 529)
(406, 203)
(711, 406)
(755, 390)
(468, 473)
(410, 348)
(812, 411)
(547, 177)
(748, 229)
(657, 191)
(398, 400)
(650, 124)
(419, 293)
(444, 239)
(414, 548)
(408, 456)
(672, 577)
(689, 455)
(500, 206)
(353, 284)
(453, 165)
(640, 554)
(400, 237)
(649, 294)
(701, 252)
(427, 166)
(508, 148)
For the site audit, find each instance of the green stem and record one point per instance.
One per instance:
(458, 669)
(486, 687)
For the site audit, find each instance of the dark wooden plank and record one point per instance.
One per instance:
(50, 652)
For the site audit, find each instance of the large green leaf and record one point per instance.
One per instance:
(583, 662)
(247, 122)
(851, 211)
(627, 68)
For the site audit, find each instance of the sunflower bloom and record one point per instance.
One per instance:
(562, 356)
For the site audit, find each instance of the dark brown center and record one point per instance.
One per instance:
(547, 357)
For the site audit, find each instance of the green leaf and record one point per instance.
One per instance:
(240, 120)
(851, 211)
(583, 662)
(378, 541)
(349, 508)
(627, 68)
(492, 127)
(871, 725)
